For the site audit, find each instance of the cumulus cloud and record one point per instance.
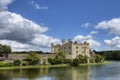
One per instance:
(113, 26)
(44, 41)
(37, 6)
(93, 43)
(23, 34)
(86, 25)
(14, 27)
(93, 32)
(16, 46)
(114, 43)
(4, 4)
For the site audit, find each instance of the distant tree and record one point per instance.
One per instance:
(33, 58)
(4, 49)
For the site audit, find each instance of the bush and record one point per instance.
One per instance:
(99, 58)
(92, 60)
(33, 58)
(68, 61)
(2, 64)
(82, 59)
(75, 62)
(17, 62)
(24, 63)
(9, 64)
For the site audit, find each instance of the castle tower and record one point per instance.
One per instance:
(63, 41)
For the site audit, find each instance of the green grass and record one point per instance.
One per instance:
(48, 66)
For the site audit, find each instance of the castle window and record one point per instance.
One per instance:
(76, 51)
(64, 47)
(69, 47)
(76, 47)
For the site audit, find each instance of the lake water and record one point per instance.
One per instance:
(99, 72)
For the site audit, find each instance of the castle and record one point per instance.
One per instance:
(71, 49)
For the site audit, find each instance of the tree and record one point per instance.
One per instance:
(4, 49)
(33, 58)
(82, 59)
(60, 57)
(99, 58)
(17, 62)
(75, 62)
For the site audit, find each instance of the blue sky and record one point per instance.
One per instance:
(97, 22)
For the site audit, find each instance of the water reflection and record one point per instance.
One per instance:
(103, 72)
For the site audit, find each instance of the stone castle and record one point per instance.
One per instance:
(71, 49)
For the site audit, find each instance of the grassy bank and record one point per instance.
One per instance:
(49, 66)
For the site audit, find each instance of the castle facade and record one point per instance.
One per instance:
(71, 49)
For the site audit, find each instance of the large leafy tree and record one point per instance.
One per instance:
(4, 49)
(33, 58)
(60, 57)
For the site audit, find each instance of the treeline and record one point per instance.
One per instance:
(28, 52)
(110, 55)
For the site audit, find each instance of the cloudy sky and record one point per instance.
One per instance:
(35, 24)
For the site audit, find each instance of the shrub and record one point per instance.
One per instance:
(2, 64)
(33, 58)
(24, 63)
(92, 60)
(68, 61)
(9, 64)
(75, 62)
(17, 62)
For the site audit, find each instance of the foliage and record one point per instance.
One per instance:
(59, 58)
(82, 59)
(4, 49)
(110, 55)
(2, 64)
(75, 62)
(33, 58)
(99, 58)
(8, 64)
(68, 61)
(17, 62)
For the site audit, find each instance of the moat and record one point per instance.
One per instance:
(96, 72)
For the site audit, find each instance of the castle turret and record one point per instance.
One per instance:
(69, 40)
(63, 41)
(52, 47)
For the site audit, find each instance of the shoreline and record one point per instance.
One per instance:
(50, 66)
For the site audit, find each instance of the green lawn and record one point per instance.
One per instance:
(48, 66)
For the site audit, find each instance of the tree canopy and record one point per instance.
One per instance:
(5, 49)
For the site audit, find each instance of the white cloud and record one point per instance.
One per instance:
(23, 34)
(16, 46)
(93, 32)
(113, 26)
(93, 43)
(4, 4)
(37, 6)
(86, 25)
(14, 27)
(44, 41)
(114, 43)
